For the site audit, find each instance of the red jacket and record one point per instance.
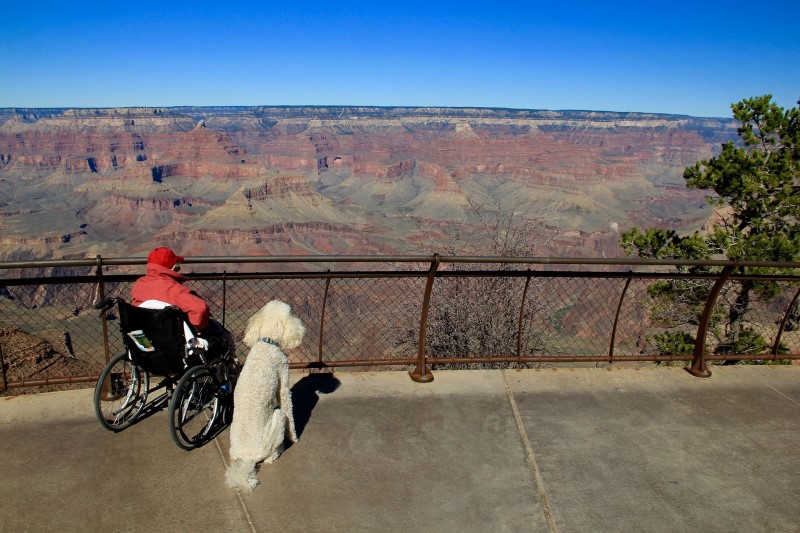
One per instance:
(161, 283)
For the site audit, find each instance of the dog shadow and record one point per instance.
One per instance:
(305, 395)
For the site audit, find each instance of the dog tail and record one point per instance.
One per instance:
(241, 475)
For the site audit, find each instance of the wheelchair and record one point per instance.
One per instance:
(199, 375)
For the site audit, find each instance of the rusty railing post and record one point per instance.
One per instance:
(3, 366)
(422, 374)
(777, 344)
(521, 315)
(699, 367)
(616, 319)
(322, 317)
(101, 295)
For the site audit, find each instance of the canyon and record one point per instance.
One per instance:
(243, 181)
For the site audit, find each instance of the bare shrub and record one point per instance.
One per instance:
(476, 309)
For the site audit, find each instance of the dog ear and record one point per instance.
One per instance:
(293, 333)
(253, 330)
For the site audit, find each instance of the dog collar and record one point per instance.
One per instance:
(269, 341)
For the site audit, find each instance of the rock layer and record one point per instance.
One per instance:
(304, 180)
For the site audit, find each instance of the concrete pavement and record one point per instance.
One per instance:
(570, 450)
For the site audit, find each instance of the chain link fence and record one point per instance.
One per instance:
(524, 313)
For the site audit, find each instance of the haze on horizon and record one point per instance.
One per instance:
(686, 58)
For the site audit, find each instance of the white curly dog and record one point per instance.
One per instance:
(262, 402)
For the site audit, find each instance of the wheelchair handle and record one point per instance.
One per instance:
(105, 304)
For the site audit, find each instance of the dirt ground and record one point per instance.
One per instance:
(30, 357)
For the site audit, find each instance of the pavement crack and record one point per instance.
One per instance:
(784, 395)
(238, 494)
(537, 476)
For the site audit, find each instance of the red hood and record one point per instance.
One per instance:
(154, 269)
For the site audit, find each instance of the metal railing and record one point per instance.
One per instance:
(414, 312)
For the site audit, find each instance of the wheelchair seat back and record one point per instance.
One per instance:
(155, 338)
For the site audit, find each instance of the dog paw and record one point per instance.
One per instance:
(250, 484)
(274, 457)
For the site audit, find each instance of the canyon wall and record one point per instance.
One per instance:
(338, 180)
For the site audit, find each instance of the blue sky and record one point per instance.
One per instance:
(693, 58)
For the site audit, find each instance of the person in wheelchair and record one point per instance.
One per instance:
(163, 285)
(168, 332)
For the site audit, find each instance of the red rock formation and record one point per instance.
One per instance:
(280, 186)
(129, 172)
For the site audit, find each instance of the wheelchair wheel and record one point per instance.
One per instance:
(194, 408)
(120, 393)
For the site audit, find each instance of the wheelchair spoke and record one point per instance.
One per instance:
(194, 408)
(120, 393)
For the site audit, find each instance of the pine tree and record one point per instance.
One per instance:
(755, 186)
